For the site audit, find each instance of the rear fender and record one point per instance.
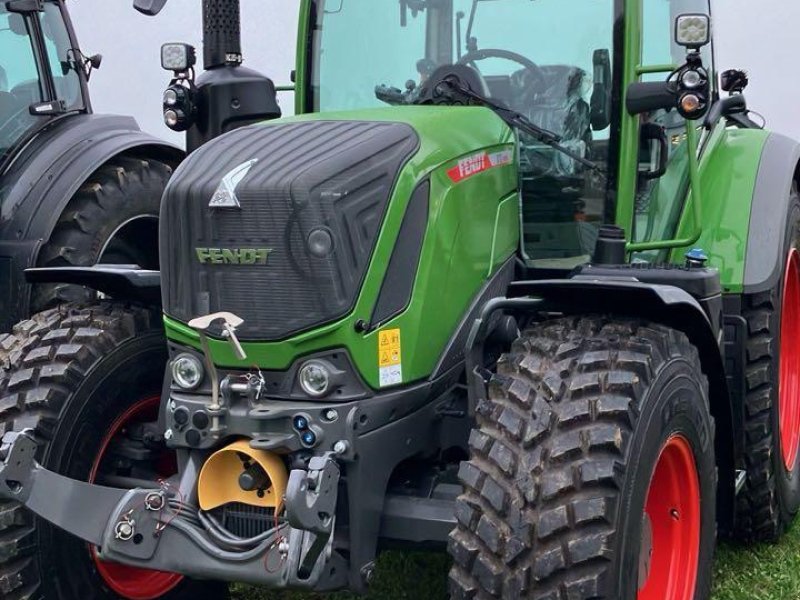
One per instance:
(45, 176)
(771, 202)
(42, 179)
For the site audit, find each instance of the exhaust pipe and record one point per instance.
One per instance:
(222, 34)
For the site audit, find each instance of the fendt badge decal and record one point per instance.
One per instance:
(479, 163)
(233, 256)
(225, 194)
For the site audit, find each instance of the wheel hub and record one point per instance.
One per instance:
(669, 557)
(133, 583)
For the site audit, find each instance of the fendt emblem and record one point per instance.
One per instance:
(233, 256)
(225, 194)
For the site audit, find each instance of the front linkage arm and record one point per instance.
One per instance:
(139, 527)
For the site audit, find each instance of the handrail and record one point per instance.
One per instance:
(692, 145)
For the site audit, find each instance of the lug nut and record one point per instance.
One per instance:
(341, 447)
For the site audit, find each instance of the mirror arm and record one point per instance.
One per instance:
(650, 96)
(734, 109)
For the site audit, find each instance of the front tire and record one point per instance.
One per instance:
(591, 460)
(82, 377)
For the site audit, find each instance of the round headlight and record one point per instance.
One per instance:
(171, 118)
(315, 379)
(170, 97)
(187, 371)
(692, 80)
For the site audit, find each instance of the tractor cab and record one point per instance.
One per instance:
(42, 74)
(558, 64)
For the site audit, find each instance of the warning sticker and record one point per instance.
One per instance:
(478, 163)
(390, 357)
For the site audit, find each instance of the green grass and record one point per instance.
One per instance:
(763, 572)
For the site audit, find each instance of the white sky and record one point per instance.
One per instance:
(759, 36)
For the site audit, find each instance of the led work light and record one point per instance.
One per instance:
(693, 30)
(178, 57)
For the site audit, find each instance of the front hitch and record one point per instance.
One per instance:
(154, 529)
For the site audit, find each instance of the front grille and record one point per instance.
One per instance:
(315, 185)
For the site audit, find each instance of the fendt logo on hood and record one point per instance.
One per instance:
(233, 256)
(225, 194)
(479, 163)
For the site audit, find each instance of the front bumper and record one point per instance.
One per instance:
(140, 528)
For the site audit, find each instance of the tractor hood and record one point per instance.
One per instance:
(278, 222)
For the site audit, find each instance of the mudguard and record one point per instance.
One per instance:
(37, 185)
(767, 237)
(45, 175)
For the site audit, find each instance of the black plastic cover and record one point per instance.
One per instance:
(312, 206)
(650, 96)
(398, 284)
(698, 282)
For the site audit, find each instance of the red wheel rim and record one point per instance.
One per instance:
(672, 514)
(789, 381)
(132, 583)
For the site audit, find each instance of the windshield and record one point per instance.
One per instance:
(21, 80)
(550, 60)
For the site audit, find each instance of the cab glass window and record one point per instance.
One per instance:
(19, 79)
(61, 56)
(550, 60)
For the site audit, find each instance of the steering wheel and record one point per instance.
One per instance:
(535, 70)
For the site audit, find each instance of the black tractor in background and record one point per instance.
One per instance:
(76, 188)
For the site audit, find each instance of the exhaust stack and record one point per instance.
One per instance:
(222, 34)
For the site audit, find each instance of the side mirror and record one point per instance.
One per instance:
(653, 151)
(149, 7)
(601, 95)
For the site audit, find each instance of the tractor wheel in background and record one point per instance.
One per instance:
(591, 471)
(86, 380)
(112, 219)
(771, 495)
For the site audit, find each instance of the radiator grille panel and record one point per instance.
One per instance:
(315, 179)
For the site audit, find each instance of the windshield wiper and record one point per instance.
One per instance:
(516, 119)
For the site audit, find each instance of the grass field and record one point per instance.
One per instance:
(765, 572)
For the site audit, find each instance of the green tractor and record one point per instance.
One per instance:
(518, 279)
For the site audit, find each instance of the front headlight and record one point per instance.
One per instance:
(315, 379)
(187, 371)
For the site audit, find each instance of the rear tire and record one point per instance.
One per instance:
(770, 498)
(72, 372)
(113, 218)
(562, 462)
